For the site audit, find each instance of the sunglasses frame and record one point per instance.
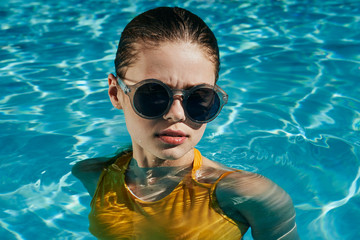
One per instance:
(184, 93)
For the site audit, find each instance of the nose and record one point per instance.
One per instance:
(176, 111)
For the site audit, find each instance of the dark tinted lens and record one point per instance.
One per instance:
(151, 100)
(202, 104)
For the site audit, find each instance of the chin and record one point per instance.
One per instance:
(174, 153)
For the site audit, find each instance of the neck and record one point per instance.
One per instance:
(164, 158)
(151, 175)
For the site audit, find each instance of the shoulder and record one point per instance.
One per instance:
(89, 166)
(211, 171)
(88, 171)
(246, 184)
(259, 202)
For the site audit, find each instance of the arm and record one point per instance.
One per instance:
(257, 201)
(89, 171)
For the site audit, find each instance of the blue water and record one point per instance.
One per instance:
(291, 69)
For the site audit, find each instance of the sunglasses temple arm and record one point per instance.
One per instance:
(123, 86)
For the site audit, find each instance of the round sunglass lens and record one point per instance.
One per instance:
(151, 100)
(202, 104)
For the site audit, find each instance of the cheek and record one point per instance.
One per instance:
(136, 125)
(132, 119)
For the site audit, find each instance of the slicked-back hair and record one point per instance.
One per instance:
(160, 25)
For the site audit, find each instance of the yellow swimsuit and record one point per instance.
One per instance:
(190, 211)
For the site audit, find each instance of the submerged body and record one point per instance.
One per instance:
(201, 201)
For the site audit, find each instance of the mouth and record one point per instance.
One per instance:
(172, 137)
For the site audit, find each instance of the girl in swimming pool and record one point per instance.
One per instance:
(167, 66)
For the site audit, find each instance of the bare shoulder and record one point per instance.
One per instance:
(238, 182)
(88, 172)
(90, 165)
(247, 184)
(259, 202)
(211, 171)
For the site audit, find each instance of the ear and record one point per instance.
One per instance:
(113, 91)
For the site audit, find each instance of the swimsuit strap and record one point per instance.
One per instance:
(223, 176)
(123, 160)
(197, 160)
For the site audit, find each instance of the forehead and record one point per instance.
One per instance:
(178, 64)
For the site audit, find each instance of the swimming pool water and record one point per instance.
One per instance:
(291, 69)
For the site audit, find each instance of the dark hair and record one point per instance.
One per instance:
(165, 24)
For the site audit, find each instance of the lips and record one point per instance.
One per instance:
(172, 137)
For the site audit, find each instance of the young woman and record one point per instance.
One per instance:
(167, 66)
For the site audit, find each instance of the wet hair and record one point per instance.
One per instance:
(164, 24)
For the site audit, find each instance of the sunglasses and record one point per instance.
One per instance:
(152, 99)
